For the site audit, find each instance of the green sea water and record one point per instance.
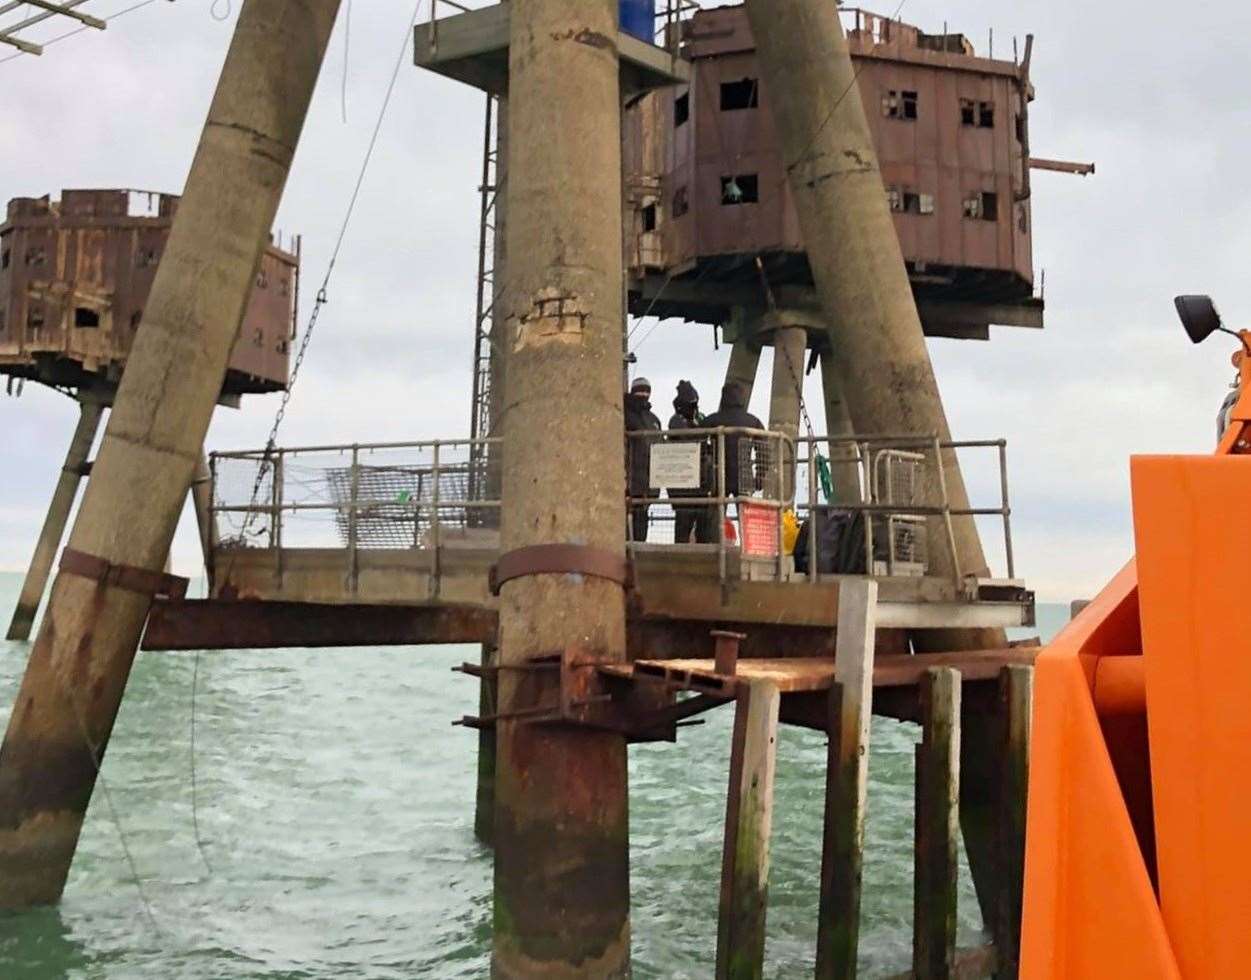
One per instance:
(335, 806)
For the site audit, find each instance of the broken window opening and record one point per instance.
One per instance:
(262, 279)
(34, 318)
(136, 318)
(740, 189)
(900, 105)
(743, 94)
(681, 109)
(983, 205)
(1020, 129)
(979, 114)
(147, 257)
(906, 201)
(681, 202)
(36, 255)
(5, 258)
(649, 217)
(85, 318)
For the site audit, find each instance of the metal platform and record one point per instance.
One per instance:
(472, 47)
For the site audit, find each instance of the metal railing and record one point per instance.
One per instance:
(877, 500)
(891, 494)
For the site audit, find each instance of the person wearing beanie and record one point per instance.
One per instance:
(686, 415)
(639, 418)
(733, 414)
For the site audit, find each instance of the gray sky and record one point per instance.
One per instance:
(1137, 88)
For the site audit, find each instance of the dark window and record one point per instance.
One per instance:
(681, 109)
(1, 321)
(983, 205)
(979, 114)
(740, 189)
(36, 255)
(744, 94)
(136, 318)
(5, 258)
(907, 201)
(262, 280)
(34, 318)
(899, 105)
(147, 257)
(681, 202)
(83, 317)
(649, 218)
(1020, 129)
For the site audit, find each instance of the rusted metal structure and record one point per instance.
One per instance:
(75, 275)
(713, 218)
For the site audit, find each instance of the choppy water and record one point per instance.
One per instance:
(336, 807)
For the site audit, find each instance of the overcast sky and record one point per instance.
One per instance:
(1154, 95)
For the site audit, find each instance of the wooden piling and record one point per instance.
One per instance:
(1016, 697)
(937, 828)
(850, 714)
(748, 821)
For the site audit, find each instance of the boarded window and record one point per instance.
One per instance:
(740, 189)
(744, 94)
(899, 105)
(681, 202)
(681, 109)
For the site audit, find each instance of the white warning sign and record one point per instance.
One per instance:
(675, 465)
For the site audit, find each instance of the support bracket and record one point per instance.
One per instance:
(128, 577)
(561, 559)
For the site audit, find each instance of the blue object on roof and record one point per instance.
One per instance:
(638, 17)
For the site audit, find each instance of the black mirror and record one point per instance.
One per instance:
(1199, 317)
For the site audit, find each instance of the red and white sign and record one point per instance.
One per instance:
(761, 529)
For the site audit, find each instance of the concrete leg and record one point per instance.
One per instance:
(937, 828)
(844, 470)
(89, 413)
(748, 822)
(562, 888)
(744, 363)
(202, 502)
(789, 347)
(847, 778)
(80, 662)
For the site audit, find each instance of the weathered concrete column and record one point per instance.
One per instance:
(90, 409)
(562, 891)
(744, 363)
(789, 347)
(875, 332)
(202, 504)
(844, 469)
(80, 663)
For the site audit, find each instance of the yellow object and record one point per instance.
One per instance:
(790, 531)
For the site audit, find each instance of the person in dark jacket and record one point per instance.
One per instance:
(686, 415)
(639, 418)
(732, 414)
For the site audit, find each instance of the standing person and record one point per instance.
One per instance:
(732, 414)
(686, 415)
(639, 418)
